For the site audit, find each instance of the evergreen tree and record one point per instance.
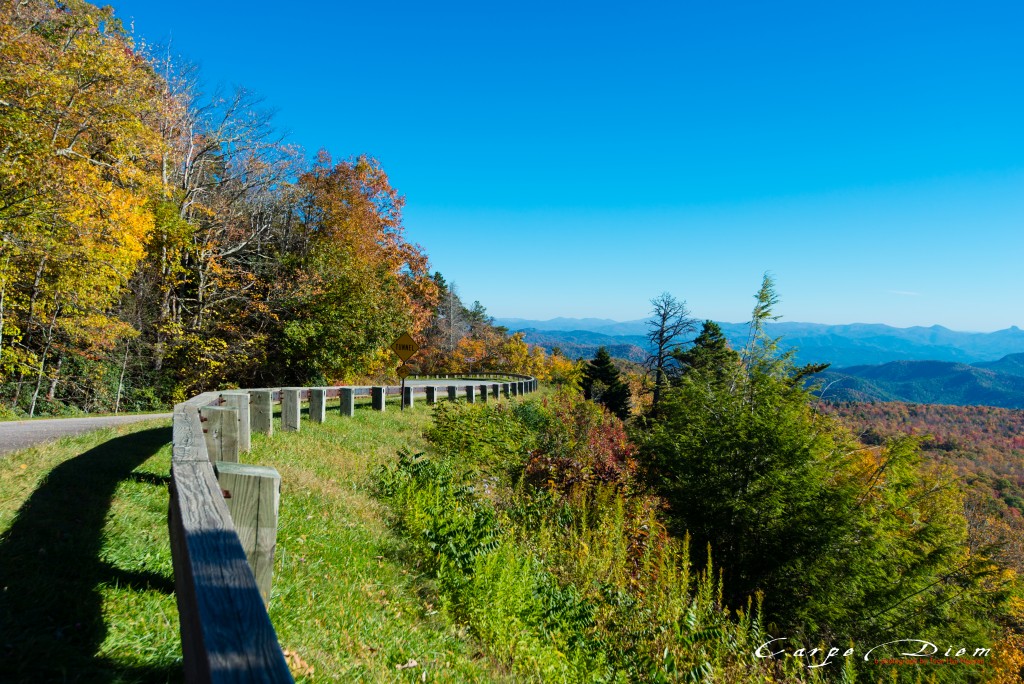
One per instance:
(710, 354)
(844, 541)
(602, 384)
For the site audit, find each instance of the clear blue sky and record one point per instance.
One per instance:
(577, 159)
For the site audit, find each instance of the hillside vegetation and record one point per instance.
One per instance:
(580, 548)
(545, 540)
(997, 383)
(983, 445)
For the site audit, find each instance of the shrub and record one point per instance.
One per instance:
(569, 576)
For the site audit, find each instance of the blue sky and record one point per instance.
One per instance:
(579, 159)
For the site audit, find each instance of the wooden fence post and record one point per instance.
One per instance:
(453, 393)
(494, 391)
(317, 405)
(262, 411)
(220, 426)
(378, 397)
(240, 402)
(348, 401)
(483, 393)
(253, 495)
(470, 399)
(291, 407)
(408, 398)
(431, 394)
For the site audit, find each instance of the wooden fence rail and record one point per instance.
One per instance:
(222, 514)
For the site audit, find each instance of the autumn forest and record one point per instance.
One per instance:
(159, 239)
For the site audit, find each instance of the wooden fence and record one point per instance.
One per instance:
(223, 514)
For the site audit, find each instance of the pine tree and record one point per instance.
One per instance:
(841, 539)
(602, 384)
(710, 353)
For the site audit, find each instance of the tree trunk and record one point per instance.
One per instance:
(3, 293)
(165, 310)
(56, 376)
(659, 381)
(28, 323)
(42, 361)
(120, 380)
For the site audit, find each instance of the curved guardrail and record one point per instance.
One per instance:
(223, 515)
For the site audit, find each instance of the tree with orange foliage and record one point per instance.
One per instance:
(353, 284)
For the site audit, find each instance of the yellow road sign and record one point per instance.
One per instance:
(405, 347)
(403, 372)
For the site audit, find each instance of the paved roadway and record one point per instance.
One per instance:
(19, 434)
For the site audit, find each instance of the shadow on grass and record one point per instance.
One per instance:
(51, 619)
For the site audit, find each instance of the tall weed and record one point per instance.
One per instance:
(529, 522)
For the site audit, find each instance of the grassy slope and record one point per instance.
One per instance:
(342, 601)
(86, 587)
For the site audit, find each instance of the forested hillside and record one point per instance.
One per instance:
(982, 444)
(583, 344)
(997, 383)
(667, 539)
(158, 238)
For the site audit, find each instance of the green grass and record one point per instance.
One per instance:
(343, 600)
(86, 586)
(86, 582)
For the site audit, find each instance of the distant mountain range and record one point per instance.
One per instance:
(998, 383)
(855, 344)
(584, 344)
(869, 362)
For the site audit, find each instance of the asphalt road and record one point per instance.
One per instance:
(19, 434)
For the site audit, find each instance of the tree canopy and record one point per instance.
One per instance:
(158, 240)
(844, 541)
(602, 384)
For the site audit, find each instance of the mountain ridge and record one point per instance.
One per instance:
(927, 382)
(842, 345)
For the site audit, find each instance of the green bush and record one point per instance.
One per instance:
(565, 579)
(491, 438)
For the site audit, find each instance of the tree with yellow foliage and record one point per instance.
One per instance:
(76, 167)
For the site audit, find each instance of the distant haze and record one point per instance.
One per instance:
(840, 345)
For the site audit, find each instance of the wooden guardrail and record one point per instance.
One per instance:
(223, 515)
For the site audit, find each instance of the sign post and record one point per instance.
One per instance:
(404, 347)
